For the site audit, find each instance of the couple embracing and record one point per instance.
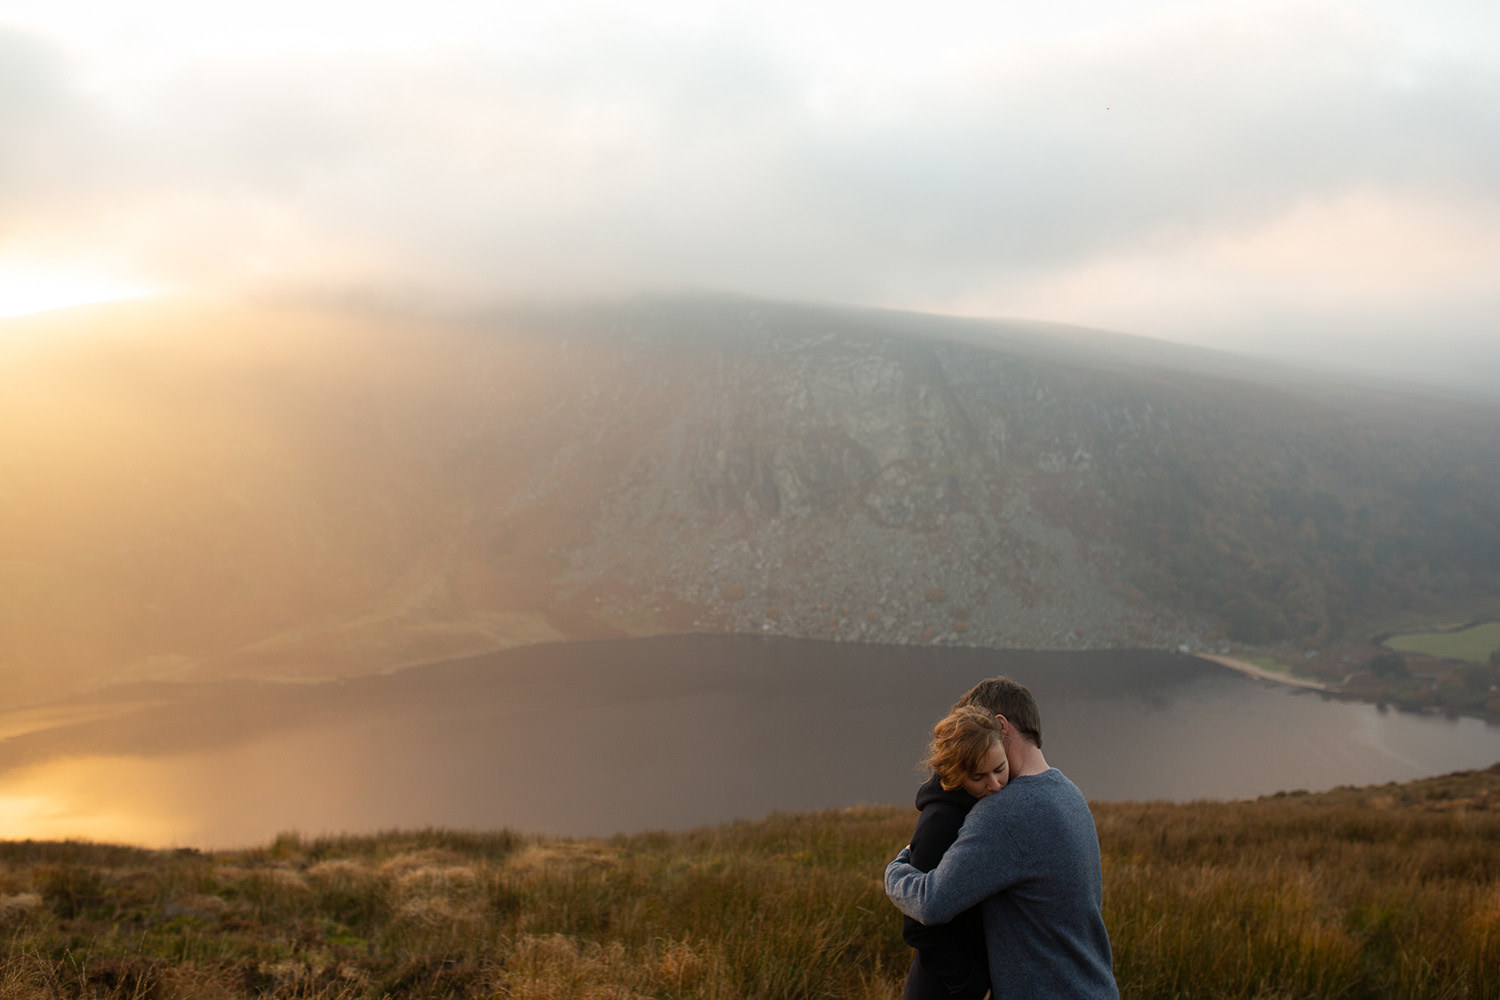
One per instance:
(1001, 886)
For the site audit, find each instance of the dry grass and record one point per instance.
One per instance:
(1390, 892)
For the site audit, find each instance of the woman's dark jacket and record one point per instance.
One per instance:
(953, 952)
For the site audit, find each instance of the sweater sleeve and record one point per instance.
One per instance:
(971, 870)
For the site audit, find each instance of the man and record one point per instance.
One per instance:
(1030, 856)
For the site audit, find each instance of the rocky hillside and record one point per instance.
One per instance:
(904, 478)
(189, 491)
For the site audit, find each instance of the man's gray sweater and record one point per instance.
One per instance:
(1030, 854)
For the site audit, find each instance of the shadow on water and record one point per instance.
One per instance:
(670, 733)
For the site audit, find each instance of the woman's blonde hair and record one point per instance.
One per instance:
(960, 742)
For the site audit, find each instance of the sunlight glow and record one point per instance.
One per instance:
(27, 290)
(24, 812)
(88, 798)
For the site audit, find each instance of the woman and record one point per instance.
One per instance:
(968, 762)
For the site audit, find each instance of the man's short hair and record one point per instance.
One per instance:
(1006, 697)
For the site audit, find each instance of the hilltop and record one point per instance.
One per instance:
(195, 491)
(1386, 892)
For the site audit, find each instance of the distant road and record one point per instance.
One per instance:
(1262, 673)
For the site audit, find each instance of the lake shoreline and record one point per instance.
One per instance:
(1261, 673)
(796, 726)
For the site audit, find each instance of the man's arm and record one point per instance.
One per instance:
(967, 874)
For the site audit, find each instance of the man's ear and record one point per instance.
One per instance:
(1004, 725)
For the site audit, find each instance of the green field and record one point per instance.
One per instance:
(1472, 644)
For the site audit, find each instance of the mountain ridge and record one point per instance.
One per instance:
(196, 491)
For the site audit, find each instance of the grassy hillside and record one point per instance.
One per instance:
(1388, 892)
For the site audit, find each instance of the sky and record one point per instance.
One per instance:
(1313, 179)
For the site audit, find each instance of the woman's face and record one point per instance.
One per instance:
(991, 775)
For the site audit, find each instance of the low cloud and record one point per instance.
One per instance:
(1199, 172)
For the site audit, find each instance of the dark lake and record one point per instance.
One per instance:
(666, 733)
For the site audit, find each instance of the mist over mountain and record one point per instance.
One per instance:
(189, 491)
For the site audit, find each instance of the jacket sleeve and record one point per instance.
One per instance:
(972, 870)
(946, 952)
(937, 829)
